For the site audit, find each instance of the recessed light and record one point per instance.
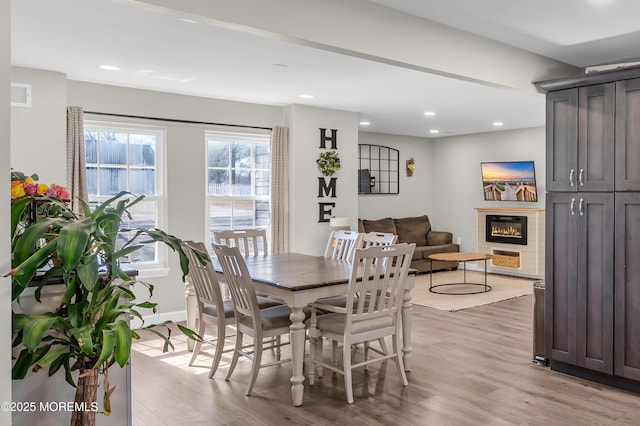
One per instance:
(110, 67)
(498, 123)
(364, 123)
(188, 21)
(434, 131)
(306, 96)
(429, 113)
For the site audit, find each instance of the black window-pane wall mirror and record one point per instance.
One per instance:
(378, 172)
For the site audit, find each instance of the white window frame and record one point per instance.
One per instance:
(235, 137)
(159, 267)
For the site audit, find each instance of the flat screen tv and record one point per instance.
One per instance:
(509, 181)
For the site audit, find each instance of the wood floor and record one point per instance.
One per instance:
(470, 367)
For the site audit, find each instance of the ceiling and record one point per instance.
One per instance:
(157, 51)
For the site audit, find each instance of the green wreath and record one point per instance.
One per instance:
(328, 163)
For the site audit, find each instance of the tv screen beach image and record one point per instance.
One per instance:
(509, 181)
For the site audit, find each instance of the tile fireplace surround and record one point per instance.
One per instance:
(518, 259)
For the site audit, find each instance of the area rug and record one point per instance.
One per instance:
(503, 287)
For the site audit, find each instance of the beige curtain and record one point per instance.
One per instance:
(76, 168)
(279, 190)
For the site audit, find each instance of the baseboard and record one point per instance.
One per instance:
(160, 318)
(594, 376)
(476, 268)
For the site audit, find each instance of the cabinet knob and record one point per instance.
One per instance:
(573, 207)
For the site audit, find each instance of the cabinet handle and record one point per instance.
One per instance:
(573, 207)
(572, 175)
(581, 207)
(581, 177)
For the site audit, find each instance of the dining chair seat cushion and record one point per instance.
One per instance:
(267, 302)
(273, 317)
(210, 309)
(335, 323)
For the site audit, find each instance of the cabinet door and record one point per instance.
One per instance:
(627, 286)
(595, 214)
(627, 145)
(562, 140)
(561, 276)
(596, 137)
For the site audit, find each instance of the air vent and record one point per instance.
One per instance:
(21, 95)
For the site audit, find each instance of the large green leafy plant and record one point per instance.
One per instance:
(88, 332)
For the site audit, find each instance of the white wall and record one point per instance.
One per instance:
(457, 182)
(415, 197)
(5, 243)
(306, 234)
(39, 132)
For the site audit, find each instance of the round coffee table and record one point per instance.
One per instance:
(464, 258)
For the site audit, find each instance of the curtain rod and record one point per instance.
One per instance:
(175, 120)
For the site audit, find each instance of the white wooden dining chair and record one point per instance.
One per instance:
(341, 245)
(213, 308)
(378, 274)
(252, 321)
(251, 242)
(378, 239)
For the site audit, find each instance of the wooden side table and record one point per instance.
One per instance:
(464, 258)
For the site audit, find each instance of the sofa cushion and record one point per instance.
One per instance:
(437, 238)
(380, 225)
(417, 252)
(413, 230)
(361, 229)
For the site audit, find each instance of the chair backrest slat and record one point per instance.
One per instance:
(251, 242)
(203, 278)
(378, 239)
(236, 275)
(376, 285)
(341, 245)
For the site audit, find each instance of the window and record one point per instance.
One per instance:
(238, 181)
(128, 158)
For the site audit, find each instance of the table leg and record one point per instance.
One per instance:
(485, 275)
(407, 312)
(192, 306)
(297, 336)
(430, 274)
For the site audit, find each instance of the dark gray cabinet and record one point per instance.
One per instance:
(592, 261)
(579, 279)
(628, 135)
(580, 135)
(627, 285)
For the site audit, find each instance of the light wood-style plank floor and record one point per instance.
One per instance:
(470, 367)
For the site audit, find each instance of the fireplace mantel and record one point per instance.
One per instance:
(510, 258)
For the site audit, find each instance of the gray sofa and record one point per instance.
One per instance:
(416, 230)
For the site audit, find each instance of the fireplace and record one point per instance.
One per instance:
(506, 229)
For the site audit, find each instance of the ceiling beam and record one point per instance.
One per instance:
(366, 30)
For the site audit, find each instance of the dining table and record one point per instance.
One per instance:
(299, 279)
